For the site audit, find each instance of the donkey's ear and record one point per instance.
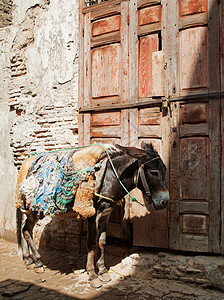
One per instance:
(147, 147)
(132, 151)
(144, 145)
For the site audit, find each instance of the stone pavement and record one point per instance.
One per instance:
(133, 278)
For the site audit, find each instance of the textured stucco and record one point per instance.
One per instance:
(38, 90)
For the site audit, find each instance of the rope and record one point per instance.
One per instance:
(115, 172)
(112, 165)
(113, 271)
(65, 149)
(101, 196)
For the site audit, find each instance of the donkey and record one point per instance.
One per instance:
(132, 168)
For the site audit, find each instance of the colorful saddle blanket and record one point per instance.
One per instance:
(54, 177)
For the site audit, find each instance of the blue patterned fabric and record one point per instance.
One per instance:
(51, 181)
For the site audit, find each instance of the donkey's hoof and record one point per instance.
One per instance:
(28, 262)
(105, 277)
(95, 283)
(39, 270)
(38, 263)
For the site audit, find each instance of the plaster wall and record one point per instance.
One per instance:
(38, 94)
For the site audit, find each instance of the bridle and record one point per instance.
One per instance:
(141, 174)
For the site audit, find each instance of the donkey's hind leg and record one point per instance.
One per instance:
(22, 219)
(102, 270)
(27, 237)
(91, 247)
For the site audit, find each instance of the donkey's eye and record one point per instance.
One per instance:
(155, 173)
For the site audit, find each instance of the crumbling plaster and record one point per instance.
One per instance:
(39, 98)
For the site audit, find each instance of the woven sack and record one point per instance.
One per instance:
(83, 204)
(87, 157)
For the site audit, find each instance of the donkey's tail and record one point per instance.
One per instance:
(19, 218)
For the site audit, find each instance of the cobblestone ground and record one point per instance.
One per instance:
(65, 278)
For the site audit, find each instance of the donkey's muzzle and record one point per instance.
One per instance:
(161, 200)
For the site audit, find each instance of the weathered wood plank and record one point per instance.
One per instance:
(148, 15)
(189, 7)
(150, 28)
(148, 45)
(155, 233)
(106, 71)
(170, 46)
(105, 12)
(143, 3)
(214, 115)
(194, 130)
(108, 131)
(193, 21)
(87, 125)
(106, 119)
(87, 75)
(150, 131)
(194, 207)
(106, 25)
(194, 113)
(150, 116)
(194, 224)
(87, 61)
(165, 145)
(102, 5)
(81, 75)
(112, 141)
(158, 74)
(194, 168)
(105, 39)
(194, 58)
(133, 71)
(197, 243)
(107, 103)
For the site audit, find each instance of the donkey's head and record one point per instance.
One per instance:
(150, 175)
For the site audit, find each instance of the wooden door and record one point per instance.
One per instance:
(118, 40)
(153, 70)
(195, 148)
(148, 122)
(104, 84)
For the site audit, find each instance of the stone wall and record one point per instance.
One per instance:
(39, 98)
(44, 73)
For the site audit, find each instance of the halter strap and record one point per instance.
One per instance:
(157, 157)
(142, 176)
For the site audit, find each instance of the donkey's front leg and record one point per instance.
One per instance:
(91, 247)
(102, 270)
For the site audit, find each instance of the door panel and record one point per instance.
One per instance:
(193, 54)
(149, 15)
(106, 71)
(195, 147)
(106, 25)
(194, 155)
(189, 7)
(148, 45)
